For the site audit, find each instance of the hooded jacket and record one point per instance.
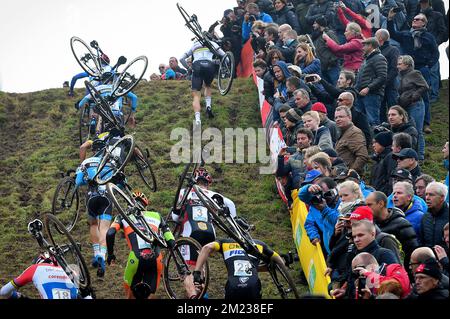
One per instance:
(282, 89)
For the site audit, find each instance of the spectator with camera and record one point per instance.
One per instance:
(288, 45)
(325, 121)
(284, 14)
(370, 276)
(252, 15)
(351, 146)
(321, 195)
(343, 12)
(436, 217)
(291, 161)
(231, 29)
(393, 221)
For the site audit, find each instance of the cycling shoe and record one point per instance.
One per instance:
(101, 267)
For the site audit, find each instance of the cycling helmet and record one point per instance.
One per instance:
(104, 58)
(141, 290)
(98, 145)
(202, 173)
(139, 196)
(45, 258)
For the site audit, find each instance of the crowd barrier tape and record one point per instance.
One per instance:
(311, 257)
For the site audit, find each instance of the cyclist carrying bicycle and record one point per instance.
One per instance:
(204, 69)
(144, 265)
(98, 205)
(242, 268)
(194, 218)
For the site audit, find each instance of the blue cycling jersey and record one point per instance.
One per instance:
(105, 91)
(87, 171)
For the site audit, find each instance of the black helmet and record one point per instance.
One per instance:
(98, 145)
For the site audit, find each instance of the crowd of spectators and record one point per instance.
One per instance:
(351, 84)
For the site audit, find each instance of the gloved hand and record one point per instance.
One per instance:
(110, 259)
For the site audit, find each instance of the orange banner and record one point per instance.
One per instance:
(245, 67)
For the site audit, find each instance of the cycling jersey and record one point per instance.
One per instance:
(51, 282)
(105, 91)
(201, 53)
(140, 267)
(195, 220)
(242, 268)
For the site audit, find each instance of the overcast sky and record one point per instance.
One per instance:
(35, 35)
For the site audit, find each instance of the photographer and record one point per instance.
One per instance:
(232, 30)
(369, 276)
(323, 200)
(253, 14)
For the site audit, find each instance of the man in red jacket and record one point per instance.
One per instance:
(365, 265)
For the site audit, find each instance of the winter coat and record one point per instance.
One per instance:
(247, 26)
(269, 87)
(414, 214)
(396, 224)
(319, 221)
(438, 293)
(318, 10)
(351, 147)
(436, 25)
(389, 272)
(322, 138)
(412, 87)
(351, 51)
(287, 16)
(432, 226)
(366, 26)
(323, 53)
(391, 54)
(293, 167)
(281, 87)
(382, 255)
(288, 51)
(373, 74)
(312, 68)
(361, 122)
(379, 177)
(291, 134)
(426, 55)
(410, 129)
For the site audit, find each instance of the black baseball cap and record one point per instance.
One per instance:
(405, 153)
(402, 173)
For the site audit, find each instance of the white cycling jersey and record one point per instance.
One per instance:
(201, 53)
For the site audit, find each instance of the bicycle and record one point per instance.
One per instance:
(175, 261)
(233, 228)
(67, 255)
(226, 72)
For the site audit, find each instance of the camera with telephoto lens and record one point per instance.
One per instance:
(329, 197)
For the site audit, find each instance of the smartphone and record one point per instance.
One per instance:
(397, 9)
(310, 78)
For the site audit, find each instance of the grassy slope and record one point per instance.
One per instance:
(38, 133)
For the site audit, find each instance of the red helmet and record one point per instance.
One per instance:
(202, 173)
(105, 58)
(45, 258)
(139, 196)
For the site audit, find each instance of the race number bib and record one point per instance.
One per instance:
(58, 293)
(200, 214)
(242, 268)
(142, 244)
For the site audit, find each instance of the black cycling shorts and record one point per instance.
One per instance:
(202, 72)
(234, 289)
(99, 206)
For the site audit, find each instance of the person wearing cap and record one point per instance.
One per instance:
(392, 221)
(293, 123)
(421, 255)
(404, 199)
(322, 136)
(434, 220)
(322, 213)
(351, 145)
(427, 279)
(379, 177)
(370, 82)
(325, 121)
(408, 159)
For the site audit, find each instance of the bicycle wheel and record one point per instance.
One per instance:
(142, 162)
(66, 203)
(283, 281)
(130, 76)
(67, 252)
(184, 14)
(85, 130)
(226, 73)
(114, 159)
(85, 57)
(183, 181)
(178, 264)
(131, 213)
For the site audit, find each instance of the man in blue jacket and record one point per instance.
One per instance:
(323, 200)
(253, 14)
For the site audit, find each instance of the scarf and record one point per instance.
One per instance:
(416, 34)
(348, 207)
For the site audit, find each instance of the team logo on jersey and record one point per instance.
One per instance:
(243, 280)
(202, 226)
